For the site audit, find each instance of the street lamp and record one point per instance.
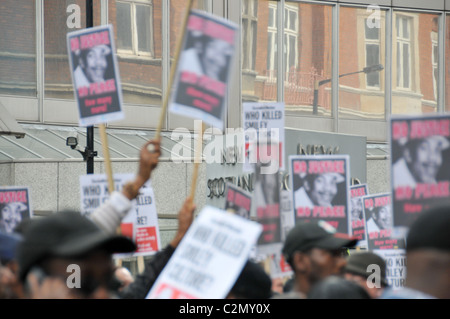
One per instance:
(317, 84)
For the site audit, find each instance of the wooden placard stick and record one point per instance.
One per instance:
(172, 75)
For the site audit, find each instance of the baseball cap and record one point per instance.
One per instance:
(65, 234)
(358, 262)
(315, 234)
(430, 230)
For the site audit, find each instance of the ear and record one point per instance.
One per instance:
(301, 262)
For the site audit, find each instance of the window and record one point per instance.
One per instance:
(372, 39)
(290, 38)
(272, 47)
(249, 28)
(403, 25)
(434, 62)
(134, 27)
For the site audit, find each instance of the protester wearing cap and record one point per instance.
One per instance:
(314, 250)
(360, 269)
(51, 244)
(318, 190)
(92, 65)
(420, 162)
(427, 258)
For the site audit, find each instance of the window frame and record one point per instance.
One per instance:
(135, 52)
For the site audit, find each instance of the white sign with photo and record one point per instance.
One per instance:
(141, 222)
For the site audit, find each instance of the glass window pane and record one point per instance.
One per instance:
(141, 67)
(372, 32)
(361, 45)
(143, 28)
(413, 65)
(18, 47)
(309, 59)
(124, 35)
(58, 81)
(259, 77)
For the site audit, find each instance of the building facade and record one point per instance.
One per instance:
(342, 67)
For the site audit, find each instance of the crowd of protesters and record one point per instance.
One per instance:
(325, 265)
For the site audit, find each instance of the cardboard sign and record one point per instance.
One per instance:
(141, 222)
(203, 70)
(379, 223)
(420, 165)
(266, 202)
(95, 75)
(209, 258)
(395, 266)
(237, 201)
(263, 134)
(358, 226)
(320, 189)
(15, 207)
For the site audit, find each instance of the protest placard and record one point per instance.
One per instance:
(395, 266)
(320, 189)
(358, 226)
(203, 71)
(95, 75)
(237, 201)
(378, 220)
(209, 258)
(420, 165)
(263, 125)
(141, 222)
(15, 207)
(266, 205)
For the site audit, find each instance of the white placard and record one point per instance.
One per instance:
(209, 258)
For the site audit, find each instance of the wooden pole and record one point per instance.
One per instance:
(107, 158)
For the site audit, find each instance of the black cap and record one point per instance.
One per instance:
(253, 283)
(315, 234)
(358, 262)
(431, 230)
(65, 234)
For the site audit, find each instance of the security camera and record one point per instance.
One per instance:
(72, 141)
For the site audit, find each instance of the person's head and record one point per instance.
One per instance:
(11, 215)
(360, 268)
(334, 287)
(252, 283)
(322, 188)
(382, 217)
(314, 250)
(94, 62)
(214, 56)
(66, 242)
(424, 157)
(428, 253)
(356, 208)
